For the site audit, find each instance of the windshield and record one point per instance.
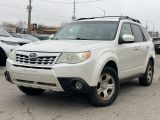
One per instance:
(4, 33)
(88, 30)
(28, 37)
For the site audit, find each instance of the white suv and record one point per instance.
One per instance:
(90, 55)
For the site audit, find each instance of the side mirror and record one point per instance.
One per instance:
(127, 38)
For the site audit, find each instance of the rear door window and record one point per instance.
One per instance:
(137, 33)
(145, 33)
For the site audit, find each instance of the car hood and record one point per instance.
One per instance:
(13, 39)
(62, 45)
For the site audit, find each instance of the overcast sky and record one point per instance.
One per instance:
(55, 12)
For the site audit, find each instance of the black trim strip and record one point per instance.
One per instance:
(39, 83)
(37, 51)
(46, 68)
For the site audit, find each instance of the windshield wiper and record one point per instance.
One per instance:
(78, 38)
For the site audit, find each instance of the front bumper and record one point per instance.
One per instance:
(58, 77)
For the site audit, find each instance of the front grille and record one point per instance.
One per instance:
(42, 60)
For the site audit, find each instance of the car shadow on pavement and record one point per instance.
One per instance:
(65, 100)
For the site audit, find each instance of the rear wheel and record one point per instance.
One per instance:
(2, 57)
(107, 88)
(146, 80)
(31, 91)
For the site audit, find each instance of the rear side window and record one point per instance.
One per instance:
(126, 29)
(145, 33)
(137, 33)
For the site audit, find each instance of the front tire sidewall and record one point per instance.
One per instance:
(94, 97)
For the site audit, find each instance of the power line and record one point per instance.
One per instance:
(55, 2)
(89, 1)
(49, 14)
(13, 6)
(70, 3)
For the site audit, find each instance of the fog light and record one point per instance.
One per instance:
(78, 85)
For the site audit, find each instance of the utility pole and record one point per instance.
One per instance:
(151, 23)
(29, 7)
(74, 10)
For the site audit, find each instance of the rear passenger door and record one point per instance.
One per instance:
(140, 46)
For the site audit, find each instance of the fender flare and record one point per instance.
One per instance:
(100, 64)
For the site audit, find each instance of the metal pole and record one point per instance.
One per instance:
(29, 15)
(151, 23)
(74, 11)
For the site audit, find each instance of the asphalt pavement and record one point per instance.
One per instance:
(134, 103)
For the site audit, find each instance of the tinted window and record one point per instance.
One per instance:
(126, 29)
(137, 33)
(146, 34)
(90, 30)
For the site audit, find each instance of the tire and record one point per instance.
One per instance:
(97, 97)
(2, 57)
(31, 91)
(146, 80)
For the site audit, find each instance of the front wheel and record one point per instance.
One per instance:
(107, 88)
(31, 91)
(146, 80)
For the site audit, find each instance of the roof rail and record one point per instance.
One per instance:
(120, 18)
(127, 17)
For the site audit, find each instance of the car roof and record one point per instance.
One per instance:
(111, 18)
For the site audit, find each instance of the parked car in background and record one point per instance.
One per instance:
(41, 37)
(8, 43)
(51, 36)
(156, 42)
(13, 34)
(26, 36)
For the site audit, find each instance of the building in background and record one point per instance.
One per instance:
(42, 29)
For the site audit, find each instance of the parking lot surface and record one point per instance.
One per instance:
(134, 103)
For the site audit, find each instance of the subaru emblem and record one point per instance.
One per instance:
(33, 55)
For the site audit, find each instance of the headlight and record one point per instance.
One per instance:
(10, 43)
(12, 55)
(73, 58)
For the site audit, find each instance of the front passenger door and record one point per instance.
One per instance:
(126, 53)
(141, 46)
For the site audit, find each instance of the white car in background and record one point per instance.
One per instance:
(8, 43)
(51, 36)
